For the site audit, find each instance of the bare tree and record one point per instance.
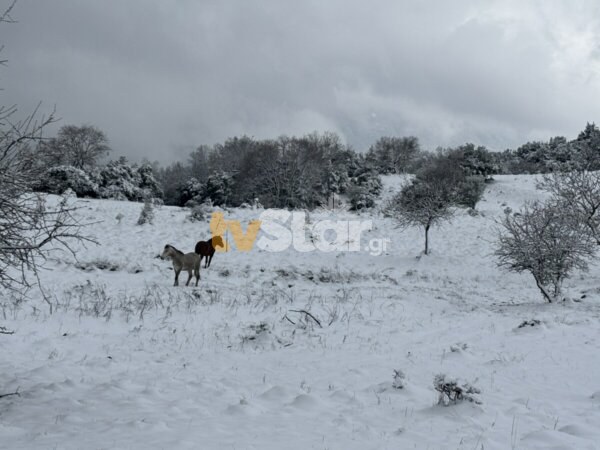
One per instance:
(579, 191)
(30, 227)
(422, 204)
(28, 224)
(80, 147)
(394, 154)
(546, 241)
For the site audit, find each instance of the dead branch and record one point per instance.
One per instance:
(11, 393)
(302, 311)
(289, 320)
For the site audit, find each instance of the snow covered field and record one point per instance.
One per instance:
(126, 360)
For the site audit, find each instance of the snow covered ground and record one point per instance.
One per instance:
(128, 361)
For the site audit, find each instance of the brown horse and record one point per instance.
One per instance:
(206, 249)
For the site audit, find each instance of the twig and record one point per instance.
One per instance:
(11, 393)
(308, 314)
(4, 330)
(289, 320)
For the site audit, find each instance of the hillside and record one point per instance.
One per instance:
(126, 360)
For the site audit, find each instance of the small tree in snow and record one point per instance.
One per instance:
(546, 241)
(147, 213)
(422, 204)
(470, 191)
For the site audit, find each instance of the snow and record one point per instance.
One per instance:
(128, 361)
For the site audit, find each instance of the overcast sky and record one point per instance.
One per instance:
(162, 77)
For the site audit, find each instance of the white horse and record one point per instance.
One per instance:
(181, 261)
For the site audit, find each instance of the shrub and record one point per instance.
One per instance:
(365, 187)
(218, 188)
(399, 379)
(470, 191)
(57, 180)
(464, 180)
(197, 213)
(579, 191)
(147, 213)
(120, 181)
(452, 391)
(360, 198)
(148, 182)
(546, 241)
(191, 191)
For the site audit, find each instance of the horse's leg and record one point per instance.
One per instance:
(210, 257)
(177, 277)
(189, 277)
(197, 273)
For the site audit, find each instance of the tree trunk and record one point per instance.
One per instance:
(427, 239)
(543, 290)
(558, 290)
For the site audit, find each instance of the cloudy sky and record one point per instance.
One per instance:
(161, 77)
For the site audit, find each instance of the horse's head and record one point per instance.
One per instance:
(166, 251)
(217, 241)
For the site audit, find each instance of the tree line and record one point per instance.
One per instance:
(292, 172)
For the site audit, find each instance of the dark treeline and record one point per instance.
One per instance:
(288, 172)
(291, 172)
(398, 155)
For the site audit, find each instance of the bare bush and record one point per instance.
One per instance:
(580, 192)
(546, 241)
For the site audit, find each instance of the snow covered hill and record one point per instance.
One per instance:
(299, 350)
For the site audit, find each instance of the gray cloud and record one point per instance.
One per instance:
(163, 77)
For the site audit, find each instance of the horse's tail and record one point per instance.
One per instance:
(197, 248)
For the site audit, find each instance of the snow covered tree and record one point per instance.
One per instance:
(470, 191)
(172, 180)
(191, 191)
(147, 213)
(422, 204)
(462, 181)
(587, 148)
(120, 181)
(476, 161)
(365, 187)
(360, 198)
(58, 179)
(148, 183)
(533, 157)
(546, 241)
(218, 188)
